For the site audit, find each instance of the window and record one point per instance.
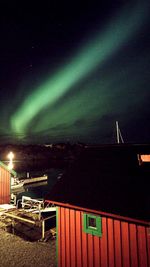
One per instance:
(92, 224)
(142, 158)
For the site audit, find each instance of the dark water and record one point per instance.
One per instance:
(41, 189)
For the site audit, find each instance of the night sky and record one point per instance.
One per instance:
(68, 71)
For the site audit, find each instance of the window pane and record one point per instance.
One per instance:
(92, 222)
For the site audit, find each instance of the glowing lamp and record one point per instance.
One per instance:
(11, 156)
(10, 164)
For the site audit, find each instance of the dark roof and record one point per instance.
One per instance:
(108, 179)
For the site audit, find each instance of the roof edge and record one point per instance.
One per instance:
(6, 167)
(113, 216)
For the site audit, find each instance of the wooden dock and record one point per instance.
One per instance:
(35, 179)
(25, 223)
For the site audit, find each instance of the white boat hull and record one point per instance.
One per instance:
(16, 184)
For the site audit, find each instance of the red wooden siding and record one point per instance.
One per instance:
(4, 186)
(122, 243)
(148, 245)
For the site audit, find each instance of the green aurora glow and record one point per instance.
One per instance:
(69, 97)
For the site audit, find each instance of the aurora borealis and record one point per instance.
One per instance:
(104, 78)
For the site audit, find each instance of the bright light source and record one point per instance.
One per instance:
(10, 164)
(11, 155)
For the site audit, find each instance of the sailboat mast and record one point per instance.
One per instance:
(117, 131)
(119, 135)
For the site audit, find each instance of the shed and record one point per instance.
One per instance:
(5, 186)
(103, 209)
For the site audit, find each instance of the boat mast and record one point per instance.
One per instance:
(119, 135)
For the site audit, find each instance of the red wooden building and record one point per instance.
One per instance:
(103, 210)
(5, 179)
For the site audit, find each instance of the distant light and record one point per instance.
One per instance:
(145, 158)
(10, 164)
(11, 155)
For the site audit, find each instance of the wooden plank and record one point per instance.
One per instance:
(68, 245)
(90, 250)
(84, 247)
(142, 248)
(72, 238)
(59, 238)
(148, 244)
(110, 242)
(63, 237)
(125, 244)
(104, 250)
(117, 241)
(97, 251)
(133, 245)
(78, 239)
(4, 186)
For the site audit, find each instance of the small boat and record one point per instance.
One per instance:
(16, 183)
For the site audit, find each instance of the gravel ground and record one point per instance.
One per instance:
(16, 252)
